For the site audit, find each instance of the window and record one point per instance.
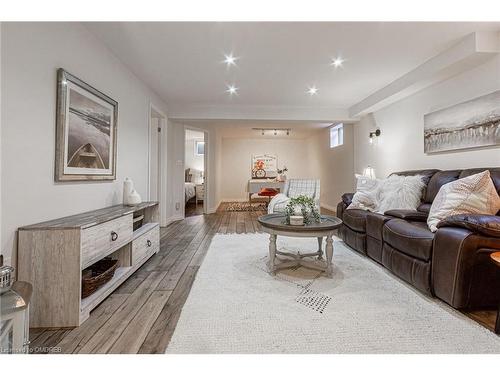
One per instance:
(199, 148)
(337, 135)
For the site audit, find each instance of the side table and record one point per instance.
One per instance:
(495, 258)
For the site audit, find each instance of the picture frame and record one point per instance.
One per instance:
(199, 148)
(264, 166)
(86, 131)
(468, 125)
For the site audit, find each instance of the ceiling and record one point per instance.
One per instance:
(277, 61)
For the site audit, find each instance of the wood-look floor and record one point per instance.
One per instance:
(141, 315)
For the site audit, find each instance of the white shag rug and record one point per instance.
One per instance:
(235, 306)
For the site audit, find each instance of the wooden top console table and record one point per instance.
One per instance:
(53, 254)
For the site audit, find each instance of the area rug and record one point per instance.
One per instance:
(235, 306)
(245, 206)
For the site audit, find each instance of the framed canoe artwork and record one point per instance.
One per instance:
(472, 124)
(85, 131)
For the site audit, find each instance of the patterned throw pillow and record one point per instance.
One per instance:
(475, 194)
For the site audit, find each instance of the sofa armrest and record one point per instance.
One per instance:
(462, 273)
(411, 215)
(347, 198)
(488, 225)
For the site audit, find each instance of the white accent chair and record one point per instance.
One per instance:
(292, 189)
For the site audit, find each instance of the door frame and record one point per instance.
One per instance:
(162, 160)
(205, 165)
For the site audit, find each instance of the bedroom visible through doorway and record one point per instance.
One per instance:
(194, 172)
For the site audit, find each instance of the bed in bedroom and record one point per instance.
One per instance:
(189, 191)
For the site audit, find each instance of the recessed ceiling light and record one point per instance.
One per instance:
(337, 62)
(312, 90)
(230, 60)
(232, 89)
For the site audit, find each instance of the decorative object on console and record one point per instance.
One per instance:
(264, 166)
(373, 135)
(85, 131)
(130, 196)
(475, 194)
(282, 174)
(472, 124)
(302, 205)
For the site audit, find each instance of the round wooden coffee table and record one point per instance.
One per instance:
(495, 257)
(274, 225)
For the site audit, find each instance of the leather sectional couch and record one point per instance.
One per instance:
(452, 264)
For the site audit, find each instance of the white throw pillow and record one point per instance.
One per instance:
(366, 196)
(475, 194)
(401, 192)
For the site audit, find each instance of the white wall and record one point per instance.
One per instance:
(236, 162)
(31, 54)
(334, 166)
(192, 160)
(401, 144)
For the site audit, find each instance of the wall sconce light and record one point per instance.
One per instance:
(374, 134)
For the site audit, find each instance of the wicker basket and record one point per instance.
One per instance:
(97, 275)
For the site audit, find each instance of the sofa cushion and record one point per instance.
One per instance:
(489, 225)
(375, 224)
(437, 180)
(475, 194)
(425, 208)
(355, 219)
(412, 238)
(411, 215)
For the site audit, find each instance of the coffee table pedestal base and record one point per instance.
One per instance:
(297, 259)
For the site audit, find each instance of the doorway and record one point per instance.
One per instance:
(157, 166)
(194, 172)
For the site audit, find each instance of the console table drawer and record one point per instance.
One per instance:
(146, 244)
(102, 239)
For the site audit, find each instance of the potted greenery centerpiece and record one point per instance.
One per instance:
(304, 206)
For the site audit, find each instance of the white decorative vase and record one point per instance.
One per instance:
(130, 196)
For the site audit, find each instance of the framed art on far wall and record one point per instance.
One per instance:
(85, 131)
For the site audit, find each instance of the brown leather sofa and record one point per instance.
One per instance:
(451, 264)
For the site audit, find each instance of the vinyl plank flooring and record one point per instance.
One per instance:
(136, 331)
(79, 336)
(160, 334)
(142, 314)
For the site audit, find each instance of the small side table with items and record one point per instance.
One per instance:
(14, 314)
(495, 258)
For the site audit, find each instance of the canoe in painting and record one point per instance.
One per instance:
(86, 157)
